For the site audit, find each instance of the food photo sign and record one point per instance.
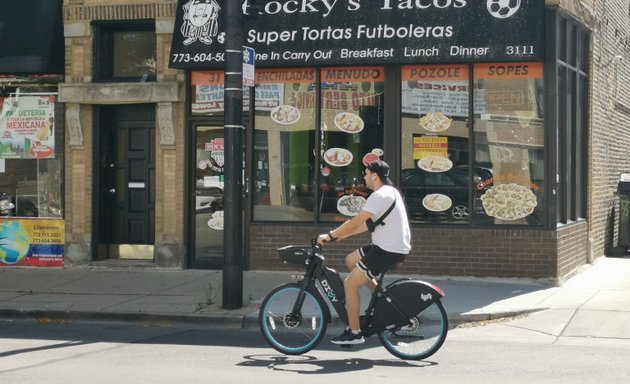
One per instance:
(342, 32)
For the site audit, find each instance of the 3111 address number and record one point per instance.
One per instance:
(519, 50)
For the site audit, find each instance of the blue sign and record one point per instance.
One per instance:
(249, 70)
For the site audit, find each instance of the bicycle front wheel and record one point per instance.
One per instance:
(288, 332)
(422, 338)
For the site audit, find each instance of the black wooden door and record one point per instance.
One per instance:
(125, 181)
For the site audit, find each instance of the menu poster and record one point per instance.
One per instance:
(27, 127)
(443, 88)
(209, 89)
(32, 242)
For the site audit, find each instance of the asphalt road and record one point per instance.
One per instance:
(489, 352)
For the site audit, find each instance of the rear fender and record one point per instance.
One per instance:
(410, 296)
(418, 287)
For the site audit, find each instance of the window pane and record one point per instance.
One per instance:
(284, 142)
(583, 50)
(31, 154)
(572, 42)
(207, 88)
(351, 131)
(134, 54)
(209, 186)
(207, 94)
(509, 139)
(435, 135)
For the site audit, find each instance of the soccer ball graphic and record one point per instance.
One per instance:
(502, 9)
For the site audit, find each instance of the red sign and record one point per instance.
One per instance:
(40, 151)
(216, 145)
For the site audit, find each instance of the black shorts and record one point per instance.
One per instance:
(374, 260)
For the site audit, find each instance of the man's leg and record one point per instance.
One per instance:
(352, 260)
(352, 335)
(355, 280)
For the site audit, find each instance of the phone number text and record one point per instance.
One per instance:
(198, 57)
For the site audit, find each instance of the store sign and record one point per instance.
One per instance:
(27, 127)
(32, 242)
(209, 89)
(217, 152)
(341, 32)
(430, 146)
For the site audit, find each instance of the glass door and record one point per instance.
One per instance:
(207, 194)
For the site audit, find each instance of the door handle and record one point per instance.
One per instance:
(112, 191)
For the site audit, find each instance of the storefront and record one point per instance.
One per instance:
(459, 97)
(31, 134)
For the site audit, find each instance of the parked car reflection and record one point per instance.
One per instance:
(208, 200)
(416, 184)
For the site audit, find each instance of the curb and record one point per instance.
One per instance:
(142, 319)
(231, 321)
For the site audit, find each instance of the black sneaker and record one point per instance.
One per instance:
(348, 338)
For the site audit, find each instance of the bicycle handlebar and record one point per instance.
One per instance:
(316, 246)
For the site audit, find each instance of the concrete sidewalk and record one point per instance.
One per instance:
(152, 295)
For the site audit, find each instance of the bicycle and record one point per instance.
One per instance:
(407, 314)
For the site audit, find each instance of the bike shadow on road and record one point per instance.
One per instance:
(309, 365)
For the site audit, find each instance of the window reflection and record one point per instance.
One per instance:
(284, 142)
(351, 135)
(209, 186)
(509, 137)
(31, 157)
(435, 176)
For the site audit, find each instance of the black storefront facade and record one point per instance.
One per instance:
(461, 98)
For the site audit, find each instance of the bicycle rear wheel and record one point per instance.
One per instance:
(422, 338)
(292, 333)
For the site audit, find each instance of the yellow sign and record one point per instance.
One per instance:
(32, 242)
(430, 145)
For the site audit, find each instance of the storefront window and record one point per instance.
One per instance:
(435, 171)
(351, 135)
(209, 187)
(207, 93)
(31, 156)
(207, 88)
(284, 142)
(509, 142)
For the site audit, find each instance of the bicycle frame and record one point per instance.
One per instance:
(407, 314)
(330, 282)
(333, 291)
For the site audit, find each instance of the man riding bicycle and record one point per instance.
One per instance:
(385, 216)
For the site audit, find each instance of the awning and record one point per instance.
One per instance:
(31, 37)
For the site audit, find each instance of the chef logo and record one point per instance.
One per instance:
(502, 9)
(200, 21)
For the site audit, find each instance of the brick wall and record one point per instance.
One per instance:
(610, 116)
(446, 250)
(170, 157)
(572, 248)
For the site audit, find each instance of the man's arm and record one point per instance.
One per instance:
(349, 228)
